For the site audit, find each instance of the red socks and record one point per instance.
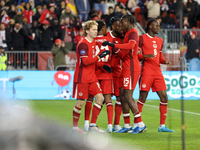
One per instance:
(163, 112)
(88, 107)
(76, 116)
(109, 106)
(118, 111)
(137, 118)
(140, 104)
(126, 116)
(95, 112)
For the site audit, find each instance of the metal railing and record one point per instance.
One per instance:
(22, 60)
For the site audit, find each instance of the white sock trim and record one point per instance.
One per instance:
(140, 102)
(117, 102)
(126, 115)
(97, 105)
(76, 110)
(163, 103)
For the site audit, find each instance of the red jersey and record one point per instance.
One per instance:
(129, 57)
(28, 14)
(151, 45)
(86, 60)
(100, 72)
(115, 61)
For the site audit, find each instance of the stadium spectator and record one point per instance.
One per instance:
(83, 8)
(46, 36)
(66, 13)
(21, 5)
(9, 29)
(18, 16)
(38, 13)
(164, 13)
(151, 76)
(32, 4)
(124, 2)
(2, 5)
(100, 5)
(85, 82)
(72, 7)
(53, 11)
(59, 50)
(193, 45)
(94, 15)
(62, 7)
(107, 17)
(190, 10)
(130, 74)
(124, 11)
(3, 58)
(22, 2)
(5, 19)
(57, 31)
(67, 33)
(12, 11)
(28, 13)
(18, 39)
(132, 5)
(79, 36)
(3, 37)
(173, 7)
(153, 8)
(118, 12)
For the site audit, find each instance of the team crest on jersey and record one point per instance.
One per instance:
(154, 45)
(143, 85)
(154, 41)
(82, 52)
(80, 94)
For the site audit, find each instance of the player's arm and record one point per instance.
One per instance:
(127, 46)
(162, 60)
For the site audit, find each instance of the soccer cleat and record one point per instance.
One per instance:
(116, 128)
(78, 130)
(86, 129)
(123, 130)
(109, 130)
(164, 129)
(95, 129)
(137, 130)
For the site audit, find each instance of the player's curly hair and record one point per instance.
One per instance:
(149, 23)
(88, 25)
(129, 18)
(101, 23)
(114, 19)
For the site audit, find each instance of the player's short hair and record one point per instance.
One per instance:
(129, 18)
(88, 25)
(114, 19)
(149, 23)
(101, 23)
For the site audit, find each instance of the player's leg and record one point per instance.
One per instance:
(159, 87)
(142, 100)
(96, 91)
(163, 111)
(118, 109)
(109, 107)
(126, 114)
(80, 92)
(88, 108)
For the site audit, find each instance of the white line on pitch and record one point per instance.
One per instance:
(175, 110)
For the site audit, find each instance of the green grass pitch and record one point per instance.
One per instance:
(61, 111)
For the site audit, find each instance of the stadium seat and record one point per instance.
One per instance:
(194, 64)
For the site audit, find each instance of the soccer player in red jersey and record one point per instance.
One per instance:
(85, 80)
(130, 72)
(104, 75)
(116, 68)
(151, 76)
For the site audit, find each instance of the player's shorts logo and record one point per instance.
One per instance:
(143, 85)
(80, 94)
(82, 52)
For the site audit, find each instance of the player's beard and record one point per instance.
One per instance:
(118, 33)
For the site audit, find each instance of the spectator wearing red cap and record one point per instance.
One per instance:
(47, 37)
(59, 51)
(193, 45)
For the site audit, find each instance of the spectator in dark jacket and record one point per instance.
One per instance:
(18, 16)
(18, 38)
(38, 13)
(193, 45)
(46, 36)
(12, 11)
(57, 32)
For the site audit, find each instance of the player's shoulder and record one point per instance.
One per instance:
(158, 38)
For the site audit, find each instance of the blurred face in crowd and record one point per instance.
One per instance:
(111, 10)
(117, 8)
(2, 3)
(45, 6)
(67, 20)
(35, 23)
(31, 3)
(67, 10)
(12, 21)
(13, 8)
(19, 12)
(81, 32)
(193, 36)
(2, 27)
(45, 26)
(27, 6)
(39, 10)
(124, 11)
(24, 20)
(117, 28)
(23, 4)
(63, 4)
(52, 9)
(17, 26)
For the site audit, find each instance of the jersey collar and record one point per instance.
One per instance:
(149, 35)
(112, 35)
(88, 40)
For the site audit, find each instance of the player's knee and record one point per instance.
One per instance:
(164, 98)
(99, 98)
(80, 103)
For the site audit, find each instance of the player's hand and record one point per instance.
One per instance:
(105, 43)
(107, 68)
(149, 56)
(104, 53)
(168, 63)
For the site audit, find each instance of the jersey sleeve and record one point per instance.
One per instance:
(83, 53)
(132, 38)
(162, 60)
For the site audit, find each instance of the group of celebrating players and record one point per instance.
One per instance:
(109, 63)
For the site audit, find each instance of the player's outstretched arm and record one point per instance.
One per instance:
(126, 46)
